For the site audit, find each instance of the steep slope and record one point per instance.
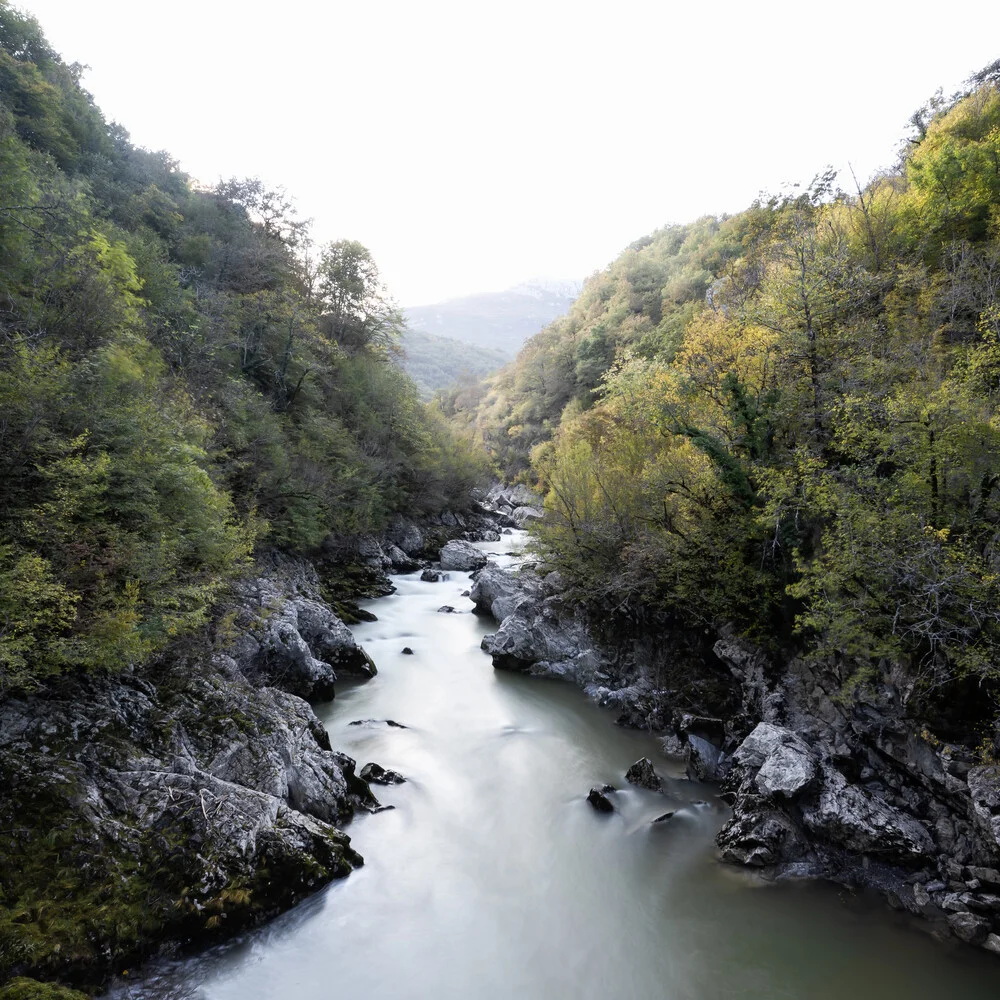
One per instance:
(770, 447)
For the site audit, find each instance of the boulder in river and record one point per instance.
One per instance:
(446, 609)
(642, 773)
(407, 651)
(461, 555)
(379, 775)
(598, 798)
(430, 576)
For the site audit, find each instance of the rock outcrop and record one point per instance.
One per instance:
(537, 633)
(461, 555)
(289, 637)
(183, 801)
(821, 785)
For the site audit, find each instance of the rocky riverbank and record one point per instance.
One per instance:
(821, 785)
(178, 803)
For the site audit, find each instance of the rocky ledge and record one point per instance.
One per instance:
(820, 785)
(538, 634)
(181, 802)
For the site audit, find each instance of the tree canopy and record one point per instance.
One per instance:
(180, 381)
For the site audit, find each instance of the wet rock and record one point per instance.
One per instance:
(377, 722)
(969, 927)
(992, 943)
(703, 759)
(461, 555)
(430, 576)
(401, 562)
(379, 775)
(406, 651)
(642, 773)
(446, 609)
(666, 817)
(522, 515)
(498, 592)
(598, 798)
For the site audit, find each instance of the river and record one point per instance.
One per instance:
(492, 877)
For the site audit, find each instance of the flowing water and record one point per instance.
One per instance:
(492, 877)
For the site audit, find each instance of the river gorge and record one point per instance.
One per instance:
(492, 877)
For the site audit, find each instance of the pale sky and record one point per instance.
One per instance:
(471, 145)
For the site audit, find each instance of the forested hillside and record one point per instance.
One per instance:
(787, 420)
(439, 362)
(183, 377)
(495, 321)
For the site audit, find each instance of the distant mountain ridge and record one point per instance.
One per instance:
(502, 321)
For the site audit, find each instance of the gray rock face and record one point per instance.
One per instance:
(536, 634)
(703, 759)
(401, 562)
(406, 535)
(984, 787)
(522, 515)
(379, 775)
(292, 639)
(498, 592)
(461, 555)
(240, 779)
(643, 774)
(786, 798)
(785, 765)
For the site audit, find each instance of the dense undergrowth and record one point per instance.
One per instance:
(183, 376)
(787, 420)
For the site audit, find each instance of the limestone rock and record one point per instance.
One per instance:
(522, 515)
(461, 555)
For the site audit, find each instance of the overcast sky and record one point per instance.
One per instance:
(473, 144)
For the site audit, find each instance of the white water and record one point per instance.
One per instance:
(493, 878)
